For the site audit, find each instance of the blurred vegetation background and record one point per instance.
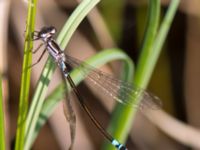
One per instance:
(113, 23)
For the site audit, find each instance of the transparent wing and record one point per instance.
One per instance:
(118, 90)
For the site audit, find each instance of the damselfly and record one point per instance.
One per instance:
(119, 90)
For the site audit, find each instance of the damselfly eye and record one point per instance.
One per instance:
(53, 30)
(50, 30)
(47, 32)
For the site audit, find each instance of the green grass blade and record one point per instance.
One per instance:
(41, 89)
(25, 81)
(149, 56)
(2, 127)
(147, 44)
(163, 31)
(144, 69)
(118, 128)
(97, 60)
(75, 19)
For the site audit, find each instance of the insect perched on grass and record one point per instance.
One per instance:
(116, 89)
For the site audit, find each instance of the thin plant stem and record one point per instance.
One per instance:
(26, 77)
(2, 122)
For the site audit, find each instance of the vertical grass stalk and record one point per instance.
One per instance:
(26, 77)
(2, 127)
(150, 51)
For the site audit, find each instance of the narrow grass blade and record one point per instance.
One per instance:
(2, 123)
(118, 128)
(150, 52)
(75, 19)
(26, 77)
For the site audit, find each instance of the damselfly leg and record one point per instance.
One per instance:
(38, 48)
(39, 59)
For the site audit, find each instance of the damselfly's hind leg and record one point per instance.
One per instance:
(36, 50)
(38, 59)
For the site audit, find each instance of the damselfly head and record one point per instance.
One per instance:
(47, 32)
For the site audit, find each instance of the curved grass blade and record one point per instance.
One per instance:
(97, 60)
